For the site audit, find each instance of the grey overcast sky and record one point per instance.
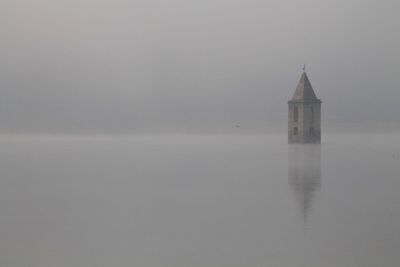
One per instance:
(195, 65)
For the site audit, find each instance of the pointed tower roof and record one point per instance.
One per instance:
(304, 91)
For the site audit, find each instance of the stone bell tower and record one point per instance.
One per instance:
(304, 114)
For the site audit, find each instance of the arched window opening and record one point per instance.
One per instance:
(295, 114)
(312, 114)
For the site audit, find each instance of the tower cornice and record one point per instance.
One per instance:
(316, 101)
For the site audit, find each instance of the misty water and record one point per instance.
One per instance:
(192, 200)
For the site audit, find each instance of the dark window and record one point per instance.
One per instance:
(295, 130)
(295, 114)
(312, 131)
(312, 114)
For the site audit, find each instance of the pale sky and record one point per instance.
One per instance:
(190, 65)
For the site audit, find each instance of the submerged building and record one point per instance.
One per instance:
(304, 114)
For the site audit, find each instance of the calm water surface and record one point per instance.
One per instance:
(201, 201)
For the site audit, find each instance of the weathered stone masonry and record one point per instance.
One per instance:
(304, 114)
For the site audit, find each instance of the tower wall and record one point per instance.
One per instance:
(305, 127)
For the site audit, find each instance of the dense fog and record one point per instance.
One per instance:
(195, 66)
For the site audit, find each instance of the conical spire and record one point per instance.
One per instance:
(304, 90)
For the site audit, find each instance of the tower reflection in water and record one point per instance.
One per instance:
(304, 171)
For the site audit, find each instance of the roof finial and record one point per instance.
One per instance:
(304, 67)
